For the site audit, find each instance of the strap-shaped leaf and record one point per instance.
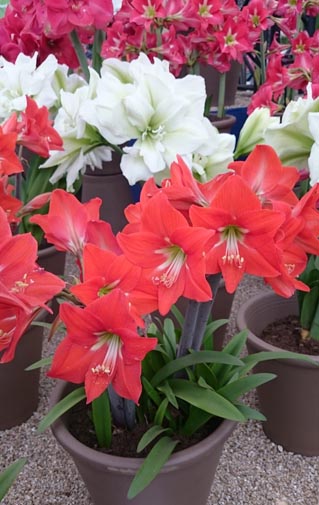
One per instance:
(61, 407)
(253, 359)
(161, 412)
(39, 364)
(237, 388)
(167, 390)
(206, 399)
(150, 435)
(193, 359)
(8, 476)
(314, 330)
(152, 465)
(196, 419)
(169, 338)
(250, 413)
(178, 315)
(309, 307)
(102, 419)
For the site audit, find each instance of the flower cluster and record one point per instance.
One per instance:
(291, 59)
(143, 108)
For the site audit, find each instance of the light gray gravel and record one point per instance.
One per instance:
(252, 470)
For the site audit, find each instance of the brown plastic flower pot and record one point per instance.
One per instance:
(289, 402)
(19, 389)
(185, 479)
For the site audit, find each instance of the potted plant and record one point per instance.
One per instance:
(162, 381)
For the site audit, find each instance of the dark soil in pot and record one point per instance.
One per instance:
(285, 333)
(124, 442)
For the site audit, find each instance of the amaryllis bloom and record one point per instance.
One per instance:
(9, 161)
(35, 131)
(266, 176)
(65, 226)
(171, 251)
(244, 233)
(102, 347)
(8, 202)
(104, 271)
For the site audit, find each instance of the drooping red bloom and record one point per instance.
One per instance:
(9, 161)
(8, 202)
(65, 226)
(171, 251)
(244, 233)
(266, 176)
(104, 271)
(34, 129)
(102, 347)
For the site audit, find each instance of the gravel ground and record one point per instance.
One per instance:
(252, 470)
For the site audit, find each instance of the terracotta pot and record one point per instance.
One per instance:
(113, 188)
(52, 261)
(19, 389)
(185, 479)
(289, 402)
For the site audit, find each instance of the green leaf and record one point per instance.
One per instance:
(167, 390)
(39, 364)
(314, 330)
(149, 436)
(250, 413)
(169, 338)
(102, 419)
(151, 392)
(208, 339)
(178, 315)
(193, 359)
(161, 412)
(152, 465)
(253, 359)
(309, 307)
(234, 347)
(205, 399)
(42, 324)
(8, 476)
(61, 407)
(237, 388)
(196, 419)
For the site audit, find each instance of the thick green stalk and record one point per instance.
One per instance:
(189, 328)
(262, 58)
(80, 54)
(99, 37)
(204, 312)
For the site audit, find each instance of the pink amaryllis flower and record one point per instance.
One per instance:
(244, 233)
(102, 347)
(171, 252)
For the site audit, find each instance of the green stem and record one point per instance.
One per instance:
(204, 313)
(221, 95)
(78, 47)
(99, 37)
(262, 58)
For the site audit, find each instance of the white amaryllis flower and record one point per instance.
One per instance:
(82, 143)
(214, 155)
(22, 78)
(253, 130)
(313, 161)
(292, 138)
(143, 102)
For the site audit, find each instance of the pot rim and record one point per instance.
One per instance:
(66, 439)
(266, 297)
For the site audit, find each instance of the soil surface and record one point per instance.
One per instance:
(124, 442)
(285, 334)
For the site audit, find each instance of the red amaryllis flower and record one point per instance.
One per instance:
(67, 230)
(35, 130)
(266, 176)
(104, 271)
(244, 233)
(9, 203)
(9, 161)
(102, 347)
(172, 252)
